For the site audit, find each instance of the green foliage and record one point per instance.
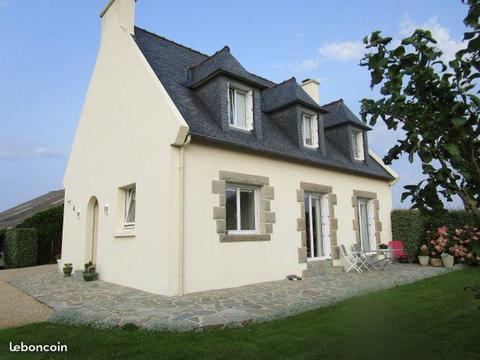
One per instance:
(49, 225)
(393, 322)
(438, 108)
(408, 226)
(2, 238)
(20, 248)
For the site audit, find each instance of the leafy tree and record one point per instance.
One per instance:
(437, 105)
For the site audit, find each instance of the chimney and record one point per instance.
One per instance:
(119, 13)
(312, 88)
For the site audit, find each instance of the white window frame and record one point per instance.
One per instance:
(238, 188)
(232, 117)
(370, 223)
(128, 198)
(357, 145)
(324, 223)
(313, 128)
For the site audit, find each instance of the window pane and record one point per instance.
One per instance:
(307, 129)
(130, 218)
(240, 108)
(231, 105)
(354, 145)
(231, 207)
(247, 209)
(364, 231)
(307, 224)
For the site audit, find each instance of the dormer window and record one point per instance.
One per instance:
(310, 131)
(240, 108)
(357, 145)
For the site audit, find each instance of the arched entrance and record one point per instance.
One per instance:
(92, 230)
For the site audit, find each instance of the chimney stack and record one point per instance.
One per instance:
(119, 13)
(312, 88)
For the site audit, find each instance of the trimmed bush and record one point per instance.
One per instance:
(20, 248)
(453, 219)
(2, 238)
(408, 226)
(49, 225)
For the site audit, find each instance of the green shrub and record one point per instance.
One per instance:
(408, 226)
(21, 248)
(2, 238)
(453, 219)
(49, 225)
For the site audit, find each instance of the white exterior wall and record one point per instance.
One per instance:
(210, 264)
(124, 136)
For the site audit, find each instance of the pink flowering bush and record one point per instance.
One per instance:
(463, 244)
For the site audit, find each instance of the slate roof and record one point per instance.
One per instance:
(14, 216)
(171, 62)
(339, 113)
(287, 93)
(221, 62)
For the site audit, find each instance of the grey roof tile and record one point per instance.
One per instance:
(339, 113)
(171, 61)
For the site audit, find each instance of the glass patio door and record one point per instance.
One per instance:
(365, 216)
(317, 226)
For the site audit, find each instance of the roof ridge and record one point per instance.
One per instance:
(210, 57)
(279, 84)
(171, 41)
(333, 102)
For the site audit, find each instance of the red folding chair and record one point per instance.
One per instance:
(400, 254)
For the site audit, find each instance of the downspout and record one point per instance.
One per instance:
(181, 215)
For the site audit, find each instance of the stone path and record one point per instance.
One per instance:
(16, 307)
(102, 304)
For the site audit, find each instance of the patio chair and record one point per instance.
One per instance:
(352, 261)
(400, 254)
(369, 262)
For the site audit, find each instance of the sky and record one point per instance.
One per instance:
(48, 51)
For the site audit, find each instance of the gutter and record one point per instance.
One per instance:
(386, 167)
(181, 216)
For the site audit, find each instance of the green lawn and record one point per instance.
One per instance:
(431, 319)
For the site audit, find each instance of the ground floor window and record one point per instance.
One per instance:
(365, 208)
(241, 209)
(317, 226)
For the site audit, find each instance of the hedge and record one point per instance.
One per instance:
(49, 225)
(409, 226)
(20, 248)
(2, 238)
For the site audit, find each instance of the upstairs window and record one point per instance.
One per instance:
(240, 108)
(310, 131)
(357, 145)
(130, 200)
(241, 209)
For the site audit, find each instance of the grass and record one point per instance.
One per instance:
(431, 319)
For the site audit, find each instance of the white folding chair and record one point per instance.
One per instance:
(351, 261)
(368, 263)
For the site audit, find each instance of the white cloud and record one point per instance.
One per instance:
(343, 51)
(17, 151)
(442, 34)
(308, 65)
(4, 4)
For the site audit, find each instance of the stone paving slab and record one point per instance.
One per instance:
(103, 304)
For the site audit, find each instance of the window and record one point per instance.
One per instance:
(130, 200)
(310, 131)
(367, 224)
(240, 108)
(242, 209)
(317, 226)
(357, 145)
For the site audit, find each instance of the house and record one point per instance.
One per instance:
(189, 173)
(12, 217)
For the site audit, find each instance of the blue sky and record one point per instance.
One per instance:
(48, 51)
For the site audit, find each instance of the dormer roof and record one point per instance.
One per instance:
(171, 62)
(222, 62)
(339, 114)
(287, 93)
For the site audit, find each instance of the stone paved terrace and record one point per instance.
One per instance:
(103, 304)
